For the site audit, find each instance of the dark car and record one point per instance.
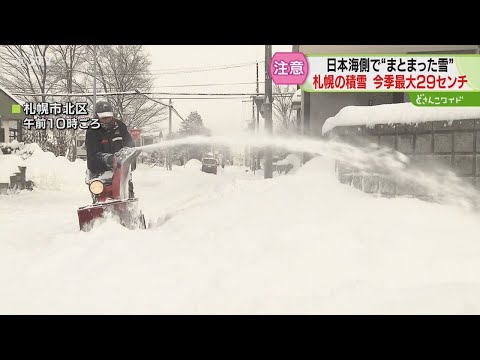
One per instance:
(209, 165)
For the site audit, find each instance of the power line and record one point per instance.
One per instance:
(204, 70)
(61, 87)
(211, 94)
(206, 67)
(213, 84)
(146, 93)
(176, 112)
(200, 94)
(179, 70)
(208, 98)
(160, 73)
(167, 105)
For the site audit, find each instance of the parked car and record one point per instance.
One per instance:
(209, 165)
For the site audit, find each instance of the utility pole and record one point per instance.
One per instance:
(170, 117)
(268, 173)
(94, 78)
(257, 128)
(251, 148)
(169, 154)
(258, 110)
(253, 111)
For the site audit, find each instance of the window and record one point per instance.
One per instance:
(210, 161)
(12, 134)
(80, 143)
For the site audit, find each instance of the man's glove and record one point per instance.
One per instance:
(108, 159)
(105, 159)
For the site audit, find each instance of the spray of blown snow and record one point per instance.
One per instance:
(439, 184)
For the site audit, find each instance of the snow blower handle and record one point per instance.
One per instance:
(106, 158)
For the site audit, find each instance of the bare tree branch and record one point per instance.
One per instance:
(285, 118)
(126, 68)
(69, 68)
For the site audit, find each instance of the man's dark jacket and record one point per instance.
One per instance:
(100, 142)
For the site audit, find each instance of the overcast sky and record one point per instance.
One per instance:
(221, 116)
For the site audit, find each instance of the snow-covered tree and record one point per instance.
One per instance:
(193, 125)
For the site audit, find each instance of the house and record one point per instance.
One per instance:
(238, 159)
(316, 108)
(11, 117)
(81, 150)
(148, 139)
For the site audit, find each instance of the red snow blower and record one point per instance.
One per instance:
(110, 194)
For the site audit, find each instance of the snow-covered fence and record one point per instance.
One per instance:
(9, 148)
(18, 181)
(431, 138)
(11, 180)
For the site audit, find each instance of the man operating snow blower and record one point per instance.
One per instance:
(104, 142)
(111, 156)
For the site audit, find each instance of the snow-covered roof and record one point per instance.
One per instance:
(14, 98)
(402, 113)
